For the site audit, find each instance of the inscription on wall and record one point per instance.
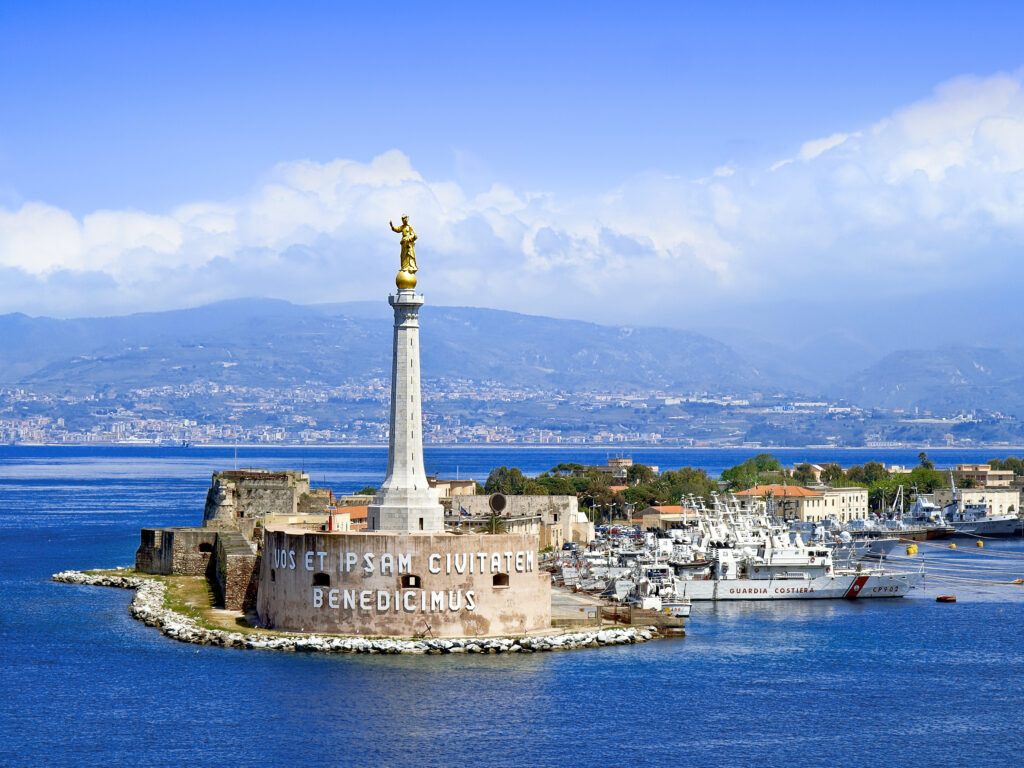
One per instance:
(412, 600)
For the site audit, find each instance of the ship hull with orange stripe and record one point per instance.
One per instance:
(837, 586)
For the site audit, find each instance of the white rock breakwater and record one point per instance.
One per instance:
(148, 607)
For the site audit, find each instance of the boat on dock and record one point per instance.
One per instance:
(975, 519)
(728, 553)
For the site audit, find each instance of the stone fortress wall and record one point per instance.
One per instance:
(403, 585)
(252, 494)
(225, 549)
(225, 558)
(556, 520)
(181, 551)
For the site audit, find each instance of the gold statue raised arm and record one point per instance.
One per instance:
(407, 272)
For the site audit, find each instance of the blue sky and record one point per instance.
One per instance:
(696, 156)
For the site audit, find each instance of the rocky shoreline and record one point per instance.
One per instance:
(148, 607)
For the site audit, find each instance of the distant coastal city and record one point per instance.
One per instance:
(461, 411)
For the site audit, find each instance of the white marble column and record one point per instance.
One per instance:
(405, 502)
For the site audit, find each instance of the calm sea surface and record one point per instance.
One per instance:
(873, 683)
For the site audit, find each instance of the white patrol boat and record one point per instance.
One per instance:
(777, 568)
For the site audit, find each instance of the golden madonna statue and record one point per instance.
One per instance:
(406, 278)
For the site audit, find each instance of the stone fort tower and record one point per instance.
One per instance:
(405, 502)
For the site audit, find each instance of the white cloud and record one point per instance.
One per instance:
(812, 149)
(933, 192)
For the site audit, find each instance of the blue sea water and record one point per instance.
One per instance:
(873, 683)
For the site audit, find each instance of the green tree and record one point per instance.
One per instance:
(925, 480)
(367, 491)
(741, 476)
(639, 474)
(570, 468)
(744, 475)
(870, 473)
(1011, 463)
(556, 485)
(534, 488)
(856, 475)
(686, 481)
(803, 473)
(765, 462)
(875, 472)
(495, 524)
(927, 463)
(832, 473)
(507, 480)
(643, 496)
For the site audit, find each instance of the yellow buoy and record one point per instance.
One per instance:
(952, 546)
(979, 543)
(911, 549)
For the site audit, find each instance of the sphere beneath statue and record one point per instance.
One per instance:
(405, 281)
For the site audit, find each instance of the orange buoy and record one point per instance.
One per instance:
(945, 599)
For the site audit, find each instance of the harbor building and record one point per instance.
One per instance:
(447, 490)
(845, 504)
(667, 517)
(984, 476)
(809, 505)
(405, 575)
(996, 501)
(792, 502)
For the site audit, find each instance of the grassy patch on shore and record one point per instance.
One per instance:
(192, 597)
(127, 571)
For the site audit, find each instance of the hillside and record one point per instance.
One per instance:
(944, 380)
(263, 342)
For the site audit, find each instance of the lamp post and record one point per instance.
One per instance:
(590, 506)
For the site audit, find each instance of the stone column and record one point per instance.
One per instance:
(406, 503)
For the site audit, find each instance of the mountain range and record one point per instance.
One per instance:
(263, 342)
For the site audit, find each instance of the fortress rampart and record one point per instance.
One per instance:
(402, 585)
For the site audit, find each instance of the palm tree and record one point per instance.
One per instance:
(496, 524)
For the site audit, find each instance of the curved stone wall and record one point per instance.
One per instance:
(400, 585)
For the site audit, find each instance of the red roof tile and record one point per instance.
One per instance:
(778, 490)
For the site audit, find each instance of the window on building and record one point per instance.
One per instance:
(411, 581)
(273, 575)
(321, 580)
(499, 580)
